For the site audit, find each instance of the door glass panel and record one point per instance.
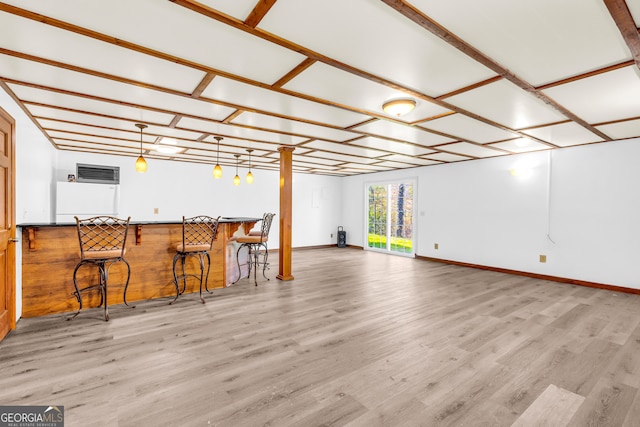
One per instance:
(390, 217)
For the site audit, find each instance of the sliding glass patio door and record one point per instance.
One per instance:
(390, 217)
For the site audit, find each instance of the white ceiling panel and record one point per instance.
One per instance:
(55, 114)
(125, 140)
(28, 94)
(344, 149)
(471, 150)
(152, 130)
(634, 7)
(341, 157)
(262, 99)
(310, 164)
(360, 167)
(467, 128)
(293, 127)
(318, 161)
(72, 81)
(621, 130)
(242, 143)
(392, 146)
(447, 157)
(410, 160)
(564, 135)
(506, 104)
(402, 132)
(366, 35)
(238, 132)
(540, 41)
(395, 165)
(314, 74)
(148, 23)
(48, 42)
(323, 81)
(602, 98)
(239, 9)
(520, 145)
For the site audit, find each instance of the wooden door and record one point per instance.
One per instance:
(7, 225)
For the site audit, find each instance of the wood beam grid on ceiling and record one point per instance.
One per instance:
(310, 93)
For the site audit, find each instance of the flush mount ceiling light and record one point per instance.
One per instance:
(236, 179)
(217, 170)
(141, 163)
(399, 107)
(249, 174)
(168, 146)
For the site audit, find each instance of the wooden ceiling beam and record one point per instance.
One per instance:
(204, 83)
(624, 20)
(415, 15)
(259, 12)
(312, 55)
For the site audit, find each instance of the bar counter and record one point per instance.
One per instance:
(50, 253)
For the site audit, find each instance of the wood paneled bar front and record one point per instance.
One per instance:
(50, 253)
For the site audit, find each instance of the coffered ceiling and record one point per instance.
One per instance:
(489, 78)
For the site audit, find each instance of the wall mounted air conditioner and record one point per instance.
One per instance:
(97, 174)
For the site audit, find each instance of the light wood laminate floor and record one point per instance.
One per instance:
(357, 339)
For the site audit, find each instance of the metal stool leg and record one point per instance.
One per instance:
(265, 261)
(175, 277)
(77, 292)
(104, 277)
(206, 281)
(127, 283)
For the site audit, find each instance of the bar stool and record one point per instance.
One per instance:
(198, 234)
(254, 241)
(102, 243)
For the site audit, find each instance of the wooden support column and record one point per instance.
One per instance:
(286, 177)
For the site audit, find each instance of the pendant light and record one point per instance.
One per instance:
(217, 170)
(249, 174)
(236, 179)
(141, 163)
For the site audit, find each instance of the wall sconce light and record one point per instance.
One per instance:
(236, 179)
(399, 107)
(141, 163)
(217, 170)
(249, 174)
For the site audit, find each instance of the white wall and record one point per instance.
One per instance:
(582, 212)
(35, 160)
(188, 189)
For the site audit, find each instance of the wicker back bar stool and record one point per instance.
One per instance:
(257, 251)
(198, 234)
(102, 242)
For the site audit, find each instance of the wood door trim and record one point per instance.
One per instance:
(11, 216)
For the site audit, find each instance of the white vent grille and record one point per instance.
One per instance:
(98, 174)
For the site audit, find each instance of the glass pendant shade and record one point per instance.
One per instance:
(249, 174)
(141, 163)
(236, 179)
(217, 170)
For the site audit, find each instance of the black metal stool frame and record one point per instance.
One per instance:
(198, 234)
(102, 243)
(253, 248)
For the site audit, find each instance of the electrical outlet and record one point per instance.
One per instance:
(543, 258)
(435, 246)
(332, 235)
(155, 211)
